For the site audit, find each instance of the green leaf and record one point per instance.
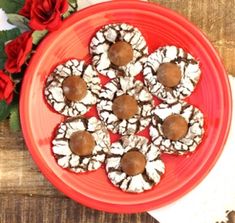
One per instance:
(20, 21)
(66, 14)
(11, 6)
(4, 110)
(73, 6)
(4, 37)
(2, 59)
(38, 36)
(14, 120)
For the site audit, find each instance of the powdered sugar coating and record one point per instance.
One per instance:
(67, 159)
(54, 92)
(189, 67)
(192, 139)
(129, 86)
(110, 34)
(153, 170)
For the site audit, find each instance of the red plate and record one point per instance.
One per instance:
(160, 26)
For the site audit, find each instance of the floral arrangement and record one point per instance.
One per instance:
(30, 22)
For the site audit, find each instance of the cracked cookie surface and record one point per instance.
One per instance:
(153, 170)
(111, 34)
(189, 67)
(188, 143)
(66, 158)
(125, 86)
(55, 94)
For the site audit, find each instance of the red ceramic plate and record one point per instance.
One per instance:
(160, 26)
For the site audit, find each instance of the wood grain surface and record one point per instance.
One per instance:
(27, 197)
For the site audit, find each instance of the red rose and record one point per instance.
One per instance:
(25, 11)
(17, 51)
(6, 87)
(46, 14)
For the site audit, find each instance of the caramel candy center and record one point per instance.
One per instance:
(169, 74)
(174, 127)
(125, 106)
(82, 143)
(120, 53)
(133, 163)
(74, 88)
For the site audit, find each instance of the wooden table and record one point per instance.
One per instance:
(26, 196)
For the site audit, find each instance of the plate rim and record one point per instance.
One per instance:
(53, 178)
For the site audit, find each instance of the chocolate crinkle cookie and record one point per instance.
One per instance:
(72, 88)
(118, 50)
(176, 128)
(133, 165)
(125, 105)
(81, 144)
(171, 74)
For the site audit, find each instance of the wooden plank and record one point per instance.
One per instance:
(18, 172)
(216, 18)
(37, 209)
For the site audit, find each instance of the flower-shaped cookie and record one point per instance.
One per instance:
(176, 128)
(81, 144)
(72, 88)
(125, 105)
(171, 74)
(118, 50)
(134, 165)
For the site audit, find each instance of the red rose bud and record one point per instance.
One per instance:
(46, 14)
(17, 51)
(6, 87)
